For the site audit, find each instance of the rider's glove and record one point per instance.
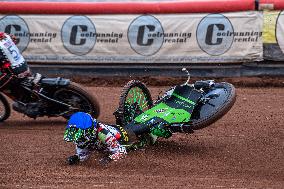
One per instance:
(33, 80)
(37, 77)
(105, 160)
(73, 160)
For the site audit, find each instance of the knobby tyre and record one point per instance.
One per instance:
(77, 96)
(5, 110)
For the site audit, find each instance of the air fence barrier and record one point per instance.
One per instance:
(221, 38)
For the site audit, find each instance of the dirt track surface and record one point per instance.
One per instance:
(244, 149)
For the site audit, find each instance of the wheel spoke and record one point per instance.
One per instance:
(136, 103)
(135, 99)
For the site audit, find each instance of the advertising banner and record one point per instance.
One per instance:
(161, 38)
(273, 35)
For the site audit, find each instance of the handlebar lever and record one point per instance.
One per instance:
(188, 75)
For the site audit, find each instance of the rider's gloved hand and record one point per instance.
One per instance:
(37, 77)
(73, 160)
(105, 161)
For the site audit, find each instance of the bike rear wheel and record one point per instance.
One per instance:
(134, 100)
(207, 113)
(76, 96)
(5, 109)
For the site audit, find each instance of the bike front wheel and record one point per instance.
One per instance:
(134, 100)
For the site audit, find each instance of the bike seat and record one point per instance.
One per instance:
(204, 84)
(55, 81)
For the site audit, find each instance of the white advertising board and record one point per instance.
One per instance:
(161, 38)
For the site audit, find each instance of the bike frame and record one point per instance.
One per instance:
(173, 109)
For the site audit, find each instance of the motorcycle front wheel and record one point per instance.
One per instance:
(208, 111)
(81, 100)
(134, 100)
(5, 109)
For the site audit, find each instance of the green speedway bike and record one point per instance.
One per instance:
(182, 108)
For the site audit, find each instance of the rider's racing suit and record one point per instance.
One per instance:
(12, 63)
(108, 139)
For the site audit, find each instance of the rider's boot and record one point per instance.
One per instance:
(30, 109)
(152, 138)
(143, 141)
(19, 107)
(180, 128)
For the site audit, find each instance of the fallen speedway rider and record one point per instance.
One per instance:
(90, 135)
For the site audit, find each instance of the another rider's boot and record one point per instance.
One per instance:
(19, 107)
(30, 109)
